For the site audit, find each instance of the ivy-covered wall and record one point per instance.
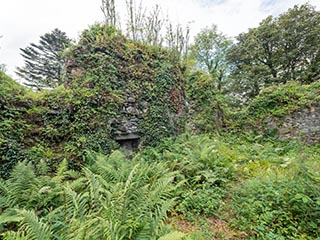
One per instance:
(12, 125)
(143, 81)
(113, 87)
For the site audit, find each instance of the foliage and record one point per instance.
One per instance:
(263, 187)
(120, 70)
(111, 82)
(207, 93)
(208, 106)
(272, 106)
(281, 49)
(281, 101)
(283, 204)
(44, 63)
(11, 124)
(204, 171)
(209, 50)
(111, 199)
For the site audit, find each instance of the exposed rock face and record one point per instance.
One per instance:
(127, 133)
(302, 124)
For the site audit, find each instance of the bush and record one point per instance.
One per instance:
(279, 206)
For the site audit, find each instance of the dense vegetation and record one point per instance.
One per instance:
(265, 189)
(281, 49)
(206, 168)
(111, 81)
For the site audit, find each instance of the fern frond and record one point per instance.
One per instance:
(10, 215)
(34, 228)
(4, 193)
(129, 181)
(63, 167)
(95, 187)
(11, 235)
(173, 236)
(76, 204)
(22, 185)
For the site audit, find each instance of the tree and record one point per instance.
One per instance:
(254, 59)
(153, 26)
(109, 11)
(44, 62)
(177, 40)
(299, 48)
(2, 67)
(135, 23)
(147, 26)
(209, 51)
(277, 51)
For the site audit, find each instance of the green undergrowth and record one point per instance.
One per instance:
(111, 198)
(280, 198)
(257, 188)
(267, 189)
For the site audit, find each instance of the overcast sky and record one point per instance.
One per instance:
(23, 21)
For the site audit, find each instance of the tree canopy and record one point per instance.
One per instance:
(44, 62)
(279, 50)
(209, 50)
(206, 88)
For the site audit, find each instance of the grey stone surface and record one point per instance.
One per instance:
(303, 124)
(127, 133)
(131, 100)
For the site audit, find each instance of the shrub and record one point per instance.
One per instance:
(279, 206)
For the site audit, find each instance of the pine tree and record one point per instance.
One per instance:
(44, 62)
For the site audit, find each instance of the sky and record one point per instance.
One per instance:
(23, 21)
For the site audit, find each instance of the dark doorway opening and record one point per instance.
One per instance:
(129, 142)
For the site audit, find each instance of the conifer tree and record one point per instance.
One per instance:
(44, 62)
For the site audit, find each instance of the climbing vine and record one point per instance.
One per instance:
(111, 84)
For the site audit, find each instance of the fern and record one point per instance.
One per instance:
(173, 236)
(4, 193)
(23, 186)
(112, 199)
(11, 235)
(31, 227)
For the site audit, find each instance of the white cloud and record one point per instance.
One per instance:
(23, 22)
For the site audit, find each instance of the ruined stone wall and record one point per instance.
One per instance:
(302, 124)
